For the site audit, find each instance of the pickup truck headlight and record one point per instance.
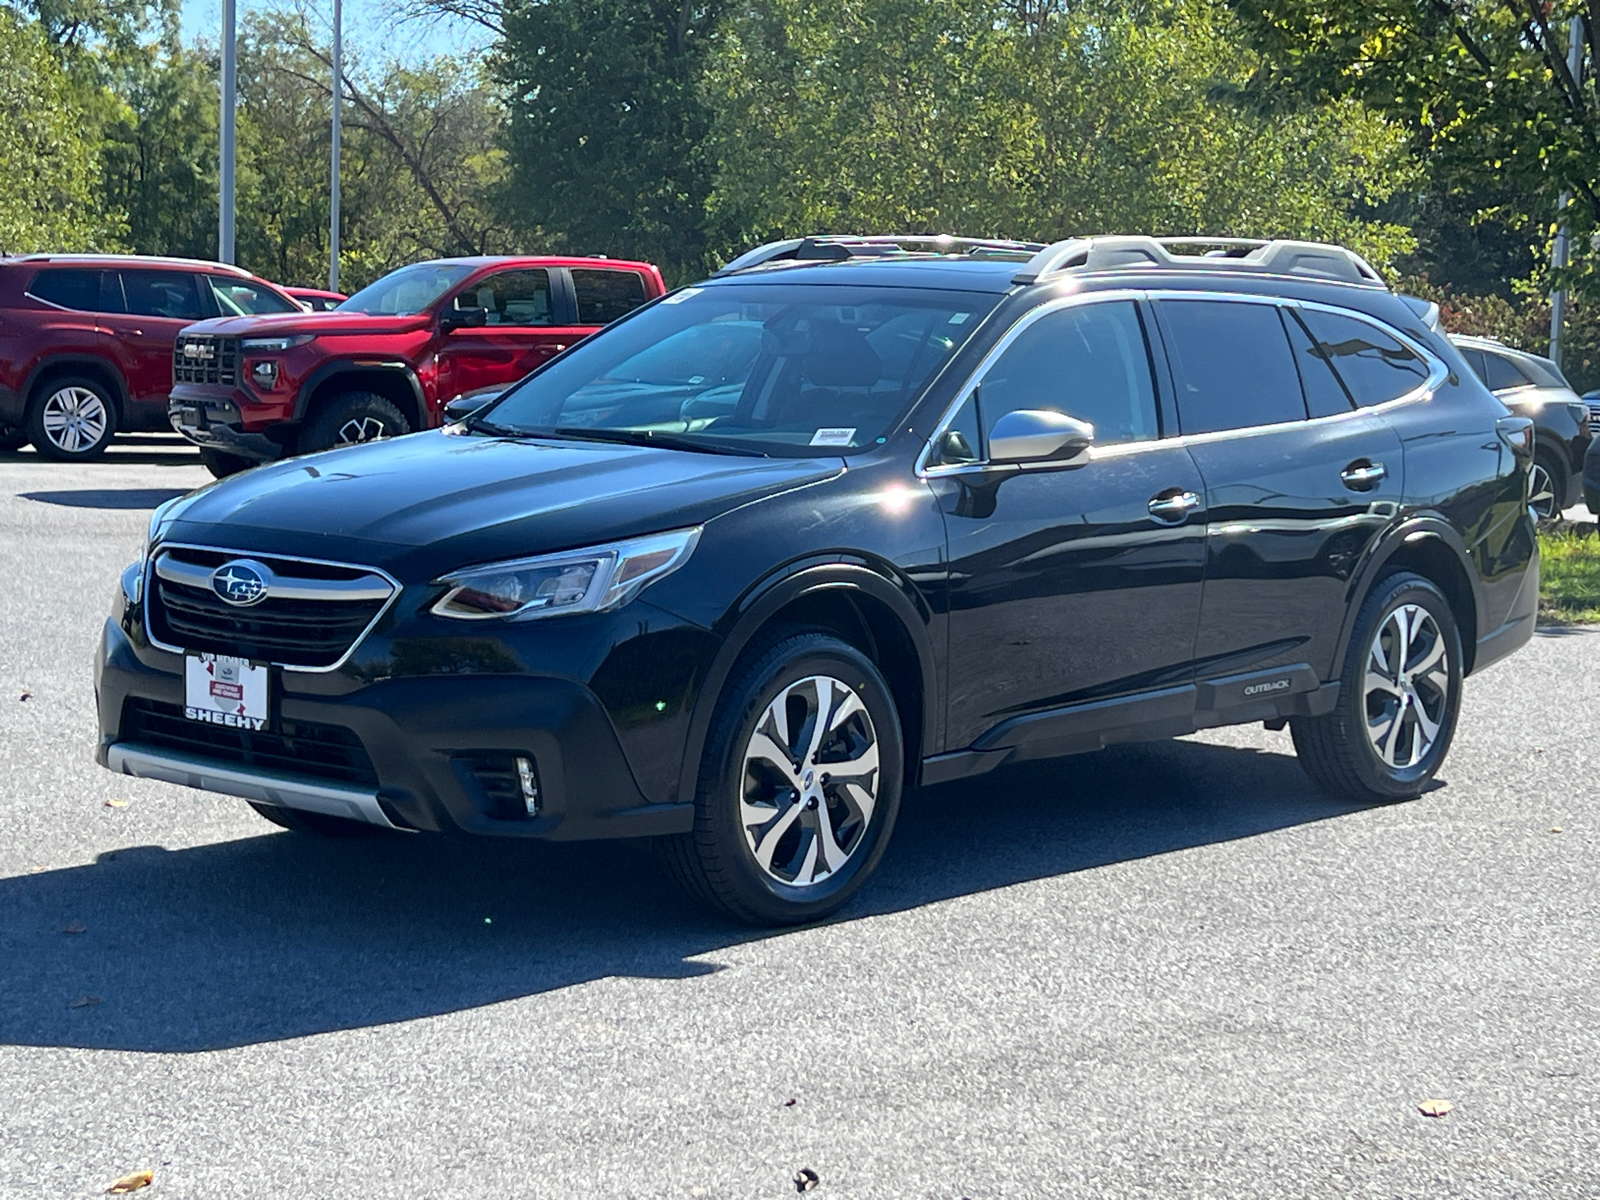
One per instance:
(575, 581)
(274, 345)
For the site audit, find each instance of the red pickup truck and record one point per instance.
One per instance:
(387, 360)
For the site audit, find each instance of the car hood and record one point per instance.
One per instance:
(434, 501)
(282, 324)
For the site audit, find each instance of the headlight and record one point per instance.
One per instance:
(274, 345)
(1579, 412)
(591, 580)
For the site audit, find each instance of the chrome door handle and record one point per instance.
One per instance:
(1362, 475)
(1173, 507)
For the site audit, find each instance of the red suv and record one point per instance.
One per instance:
(387, 360)
(86, 342)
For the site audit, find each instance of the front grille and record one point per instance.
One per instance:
(1594, 418)
(327, 752)
(186, 614)
(203, 358)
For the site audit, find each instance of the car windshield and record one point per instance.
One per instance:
(786, 369)
(240, 298)
(407, 291)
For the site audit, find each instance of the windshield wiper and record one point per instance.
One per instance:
(482, 425)
(649, 437)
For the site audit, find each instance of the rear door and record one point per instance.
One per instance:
(1298, 482)
(154, 306)
(527, 325)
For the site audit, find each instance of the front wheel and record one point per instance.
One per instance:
(221, 464)
(350, 419)
(1399, 695)
(799, 787)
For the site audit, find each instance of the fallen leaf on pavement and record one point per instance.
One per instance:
(805, 1179)
(25, 696)
(1555, 829)
(114, 803)
(74, 927)
(790, 1102)
(131, 1183)
(1435, 1108)
(85, 1002)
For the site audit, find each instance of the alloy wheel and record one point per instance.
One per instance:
(361, 429)
(1542, 493)
(74, 419)
(1407, 686)
(810, 781)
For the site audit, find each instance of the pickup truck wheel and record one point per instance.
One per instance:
(352, 418)
(222, 464)
(71, 419)
(12, 437)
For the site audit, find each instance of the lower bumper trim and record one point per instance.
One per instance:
(265, 787)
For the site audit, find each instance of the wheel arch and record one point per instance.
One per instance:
(394, 381)
(867, 607)
(1433, 549)
(77, 364)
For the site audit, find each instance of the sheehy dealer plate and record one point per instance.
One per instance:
(225, 690)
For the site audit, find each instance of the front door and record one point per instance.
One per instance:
(1078, 584)
(527, 325)
(143, 323)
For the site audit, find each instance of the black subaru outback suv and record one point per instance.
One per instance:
(851, 516)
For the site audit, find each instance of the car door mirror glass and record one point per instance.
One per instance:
(463, 407)
(464, 318)
(1040, 435)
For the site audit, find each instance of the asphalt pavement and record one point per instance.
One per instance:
(1159, 971)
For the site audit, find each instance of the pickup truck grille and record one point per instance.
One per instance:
(203, 358)
(312, 616)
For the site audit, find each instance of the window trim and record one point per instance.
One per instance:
(1438, 372)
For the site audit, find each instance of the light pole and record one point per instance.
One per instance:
(1561, 252)
(333, 194)
(230, 82)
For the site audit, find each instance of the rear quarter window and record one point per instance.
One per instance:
(1375, 367)
(605, 295)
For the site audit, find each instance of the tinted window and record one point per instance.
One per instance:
(1374, 366)
(1474, 361)
(409, 290)
(1325, 395)
(1542, 371)
(162, 294)
(69, 287)
(959, 444)
(1501, 373)
(1233, 365)
(245, 298)
(519, 298)
(1089, 362)
(603, 296)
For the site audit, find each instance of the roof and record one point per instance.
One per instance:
(553, 260)
(953, 274)
(126, 260)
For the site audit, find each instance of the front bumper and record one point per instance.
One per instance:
(217, 422)
(419, 733)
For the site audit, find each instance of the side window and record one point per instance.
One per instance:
(1475, 362)
(1375, 367)
(1088, 361)
(513, 298)
(162, 294)
(72, 287)
(1501, 374)
(604, 295)
(1233, 364)
(960, 442)
(243, 298)
(1325, 395)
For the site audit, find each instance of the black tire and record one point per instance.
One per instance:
(297, 821)
(12, 438)
(716, 862)
(1336, 750)
(221, 464)
(71, 418)
(1547, 471)
(343, 418)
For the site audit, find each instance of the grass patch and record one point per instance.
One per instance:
(1569, 577)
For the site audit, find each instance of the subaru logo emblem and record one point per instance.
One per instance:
(241, 582)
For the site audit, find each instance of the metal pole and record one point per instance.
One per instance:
(333, 193)
(230, 87)
(1561, 252)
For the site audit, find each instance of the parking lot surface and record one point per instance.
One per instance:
(1167, 971)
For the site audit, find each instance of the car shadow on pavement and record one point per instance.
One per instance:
(282, 936)
(107, 497)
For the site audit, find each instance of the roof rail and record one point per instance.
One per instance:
(838, 247)
(1318, 260)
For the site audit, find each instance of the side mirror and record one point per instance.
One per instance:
(465, 405)
(463, 318)
(1039, 435)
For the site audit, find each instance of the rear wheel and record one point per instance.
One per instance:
(222, 464)
(799, 787)
(321, 824)
(1399, 695)
(350, 419)
(1546, 489)
(72, 418)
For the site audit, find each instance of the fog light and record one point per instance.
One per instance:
(528, 779)
(265, 373)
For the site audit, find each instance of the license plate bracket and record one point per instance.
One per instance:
(223, 689)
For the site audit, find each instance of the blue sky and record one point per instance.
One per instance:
(372, 28)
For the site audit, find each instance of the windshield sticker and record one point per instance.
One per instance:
(959, 319)
(833, 437)
(680, 297)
